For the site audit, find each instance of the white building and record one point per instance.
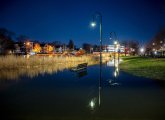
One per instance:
(114, 48)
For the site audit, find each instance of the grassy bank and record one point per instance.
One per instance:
(12, 67)
(147, 67)
(14, 62)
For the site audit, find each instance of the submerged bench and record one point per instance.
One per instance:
(80, 67)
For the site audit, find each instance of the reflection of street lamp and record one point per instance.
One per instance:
(92, 104)
(93, 24)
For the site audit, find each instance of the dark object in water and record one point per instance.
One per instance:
(80, 67)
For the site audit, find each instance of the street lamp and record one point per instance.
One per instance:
(115, 42)
(93, 24)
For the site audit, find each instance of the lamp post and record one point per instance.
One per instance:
(93, 24)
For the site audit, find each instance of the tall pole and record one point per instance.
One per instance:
(93, 24)
(100, 55)
(100, 45)
(114, 54)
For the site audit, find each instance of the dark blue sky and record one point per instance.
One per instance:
(61, 20)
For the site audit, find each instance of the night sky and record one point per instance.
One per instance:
(62, 20)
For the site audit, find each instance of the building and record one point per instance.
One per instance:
(114, 48)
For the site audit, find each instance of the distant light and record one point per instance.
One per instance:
(141, 50)
(115, 42)
(93, 24)
(28, 43)
(153, 43)
(161, 41)
(155, 52)
(32, 53)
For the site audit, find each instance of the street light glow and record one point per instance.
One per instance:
(155, 52)
(93, 24)
(28, 43)
(142, 50)
(92, 103)
(115, 42)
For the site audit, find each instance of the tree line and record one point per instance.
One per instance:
(157, 44)
(9, 40)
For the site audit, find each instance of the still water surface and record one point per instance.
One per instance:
(68, 95)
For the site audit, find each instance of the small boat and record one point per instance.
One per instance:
(80, 67)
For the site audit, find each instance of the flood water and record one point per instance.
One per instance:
(67, 95)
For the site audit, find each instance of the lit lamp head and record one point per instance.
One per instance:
(155, 52)
(115, 42)
(93, 24)
(142, 50)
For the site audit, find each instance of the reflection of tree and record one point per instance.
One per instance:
(13, 68)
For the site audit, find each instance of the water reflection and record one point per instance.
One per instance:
(95, 102)
(64, 96)
(82, 73)
(39, 70)
(92, 103)
(115, 64)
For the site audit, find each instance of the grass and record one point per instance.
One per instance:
(15, 62)
(153, 68)
(12, 67)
